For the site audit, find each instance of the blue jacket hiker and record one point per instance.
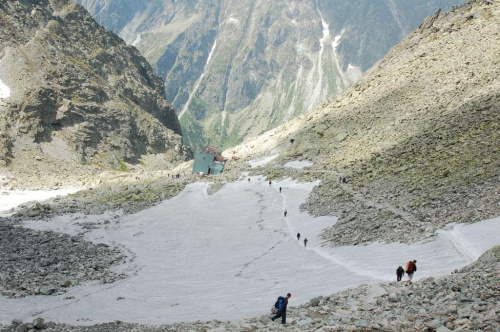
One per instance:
(281, 305)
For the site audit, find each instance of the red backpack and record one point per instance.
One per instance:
(409, 267)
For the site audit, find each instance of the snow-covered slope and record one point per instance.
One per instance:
(4, 91)
(228, 255)
(13, 198)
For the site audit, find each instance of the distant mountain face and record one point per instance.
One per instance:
(235, 68)
(71, 91)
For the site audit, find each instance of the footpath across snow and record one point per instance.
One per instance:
(229, 255)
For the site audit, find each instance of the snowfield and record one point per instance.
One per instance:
(4, 91)
(229, 255)
(137, 40)
(13, 198)
(262, 161)
(298, 164)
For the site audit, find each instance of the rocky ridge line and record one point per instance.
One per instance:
(81, 99)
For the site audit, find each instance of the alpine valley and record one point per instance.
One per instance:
(104, 225)
(236, 68)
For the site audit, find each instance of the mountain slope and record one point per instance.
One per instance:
(417, 136)
(234, 69)
(78, 94)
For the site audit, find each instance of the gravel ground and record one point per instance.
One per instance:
(48, 263)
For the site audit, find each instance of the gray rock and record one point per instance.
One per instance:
(393, 298)
(65, 283)
(34, 213)
(23, 327)
(315, 302)
(38, 323)
(466, 299)
(442, 329)
(361, 323)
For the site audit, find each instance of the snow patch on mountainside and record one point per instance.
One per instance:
(262, 161)
(198, 82)
(137, 40)
(4, 90)
(299, 164)
(335, 44)
(318, 92)
(353, 73)
(13, 198)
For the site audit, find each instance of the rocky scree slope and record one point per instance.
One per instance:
(418, 135)
(465, 300)
(237, 68)
(48, 263)
(79, 95)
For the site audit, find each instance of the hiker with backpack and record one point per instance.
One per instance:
(400, 273)
(411, 267)
(280, 305)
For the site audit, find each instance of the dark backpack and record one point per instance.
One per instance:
(279, 302)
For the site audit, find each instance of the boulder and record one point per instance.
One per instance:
(315, 302)
(38, 323)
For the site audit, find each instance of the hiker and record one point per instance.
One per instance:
(281, 305)
(285, 213)
(400, 273)
(248, 179)
(270, 183)
(340, 179)
(411, 267)
(298, 236)
(344, 180)
(305, 242)
(280, 190)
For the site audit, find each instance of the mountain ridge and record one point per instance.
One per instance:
(235, 69)
(79, 94)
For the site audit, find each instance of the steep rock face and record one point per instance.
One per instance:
(237, 68)
(77, 93)
(418, 135)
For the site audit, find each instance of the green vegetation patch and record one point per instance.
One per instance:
(193, 134)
